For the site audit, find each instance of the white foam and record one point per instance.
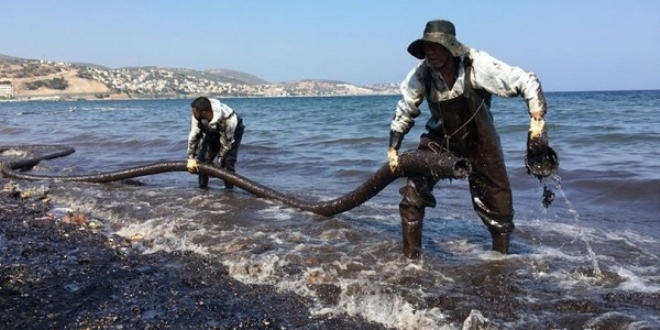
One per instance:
(636, 283)
(257, 269)
(462, 247)
(162, 236)
(277, 213)
(630, 237)
(389, 310)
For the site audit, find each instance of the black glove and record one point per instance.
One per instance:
(395, 139)
(541, 160)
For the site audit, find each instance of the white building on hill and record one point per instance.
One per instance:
(6, 90)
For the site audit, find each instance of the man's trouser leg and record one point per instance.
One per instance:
(228, 162)
(491, 191)
(417, 195)
(207, 153)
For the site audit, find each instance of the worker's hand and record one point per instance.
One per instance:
(192, 165)
(537, 129)
(393, 159)
(541, 160)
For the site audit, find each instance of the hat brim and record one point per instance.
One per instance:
(416, 48)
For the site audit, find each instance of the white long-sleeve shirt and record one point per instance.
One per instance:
(488, 73)
(224, 121)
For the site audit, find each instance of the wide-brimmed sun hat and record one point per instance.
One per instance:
(440, 32)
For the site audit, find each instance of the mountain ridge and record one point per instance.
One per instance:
(31, 78)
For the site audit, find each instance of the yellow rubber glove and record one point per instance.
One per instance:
(540, 160)
(393, 159)
(537, 128)
(192, 165)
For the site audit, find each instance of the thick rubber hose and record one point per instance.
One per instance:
(412, 163)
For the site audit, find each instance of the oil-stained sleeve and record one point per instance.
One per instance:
(504, 80)
(193, 138)
(412, 95)
(227, 136)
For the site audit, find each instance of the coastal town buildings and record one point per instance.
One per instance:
(6, 90)
(32, 79)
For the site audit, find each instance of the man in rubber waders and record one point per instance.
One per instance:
(216, 130)
(457, 83)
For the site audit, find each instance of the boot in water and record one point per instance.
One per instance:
(500, 242)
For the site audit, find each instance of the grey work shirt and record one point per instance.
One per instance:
(488, 73)
(224, 119)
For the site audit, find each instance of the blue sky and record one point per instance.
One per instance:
(570, 45)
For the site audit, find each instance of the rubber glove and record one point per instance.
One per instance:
(393, 151)
(540, 160)
(192, 165)
(393, 159)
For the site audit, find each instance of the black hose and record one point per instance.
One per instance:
(412, 163)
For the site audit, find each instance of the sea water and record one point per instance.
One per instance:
(589, 260)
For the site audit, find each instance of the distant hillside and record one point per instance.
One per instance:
(91, 65)
(317, 81)
(240, 76)
(12, 58)
(31, 78)
(323, 87)
(218, 75)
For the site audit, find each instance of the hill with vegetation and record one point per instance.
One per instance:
(31, 78)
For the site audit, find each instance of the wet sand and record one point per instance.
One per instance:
(57, 275)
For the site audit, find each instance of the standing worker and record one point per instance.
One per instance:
(457, 83)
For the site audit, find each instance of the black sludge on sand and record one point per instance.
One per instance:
(53, 275)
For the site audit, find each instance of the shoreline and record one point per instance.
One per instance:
(62, 275)
(58, 99)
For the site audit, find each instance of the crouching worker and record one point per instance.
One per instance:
(219, 130)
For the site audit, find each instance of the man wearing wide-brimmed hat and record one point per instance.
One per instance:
(457, 83)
